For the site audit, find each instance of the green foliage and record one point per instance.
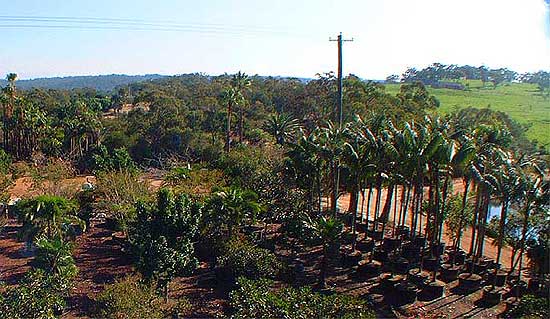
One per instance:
(456, 219)
(132, 298)
(177, 175)
(5, 162)
(242, 258)
(119, 159)
(256, 299)
(162, 237)
(118, 191)
(531, 307)
(227, 209)
(282, 127)
(54, 257)
(49, 216)
(38, 295)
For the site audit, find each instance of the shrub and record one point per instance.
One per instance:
(38, 296)
(255, 299)
(55, 257)
(118, 159)
(531, 307)
(132, 298)
(162, 238)
(118, 191)
(242, 258)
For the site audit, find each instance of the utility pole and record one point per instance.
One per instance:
(338, 116)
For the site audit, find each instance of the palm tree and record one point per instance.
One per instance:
(240, 82)
(328, 230)
(282, 127)
(234, 206)
(229, 97)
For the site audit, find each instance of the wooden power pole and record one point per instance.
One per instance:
(338, 116)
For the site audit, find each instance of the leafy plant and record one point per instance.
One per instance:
(242, 258)
(162, 238)
(256, 299)
(132, 298)
(54, 257)
(531, 307)
(38, 295)
(45, 215)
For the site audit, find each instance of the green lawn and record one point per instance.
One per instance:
(521, 101)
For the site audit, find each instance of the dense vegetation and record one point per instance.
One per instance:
(254, 169)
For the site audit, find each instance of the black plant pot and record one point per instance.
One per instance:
(417, 277)
(366, 245)
(500, 278)
(449, 272)
(438, 249)
(469, 282)
(419, 241)
(391, 244)
(491, 295)
(406, 294)
(367, 269)
(433, 290)
(430, 264)
(400, 266)
(352, 258)
(380, 254)
(411, 253)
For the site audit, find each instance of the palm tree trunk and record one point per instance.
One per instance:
(461, 221)
(228, 129)
(503, 212)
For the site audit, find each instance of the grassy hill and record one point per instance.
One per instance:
(521, 101)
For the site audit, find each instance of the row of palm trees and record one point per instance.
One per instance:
(416, 164)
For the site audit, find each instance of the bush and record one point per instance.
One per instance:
(118, 191)
(162, 238)
(242, 258)
(132, 298)
(118, 159)
(255, 299)
(37, 296)
(531, 307)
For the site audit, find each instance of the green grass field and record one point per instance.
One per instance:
(521, 101)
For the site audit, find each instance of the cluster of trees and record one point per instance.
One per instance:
(441, 72)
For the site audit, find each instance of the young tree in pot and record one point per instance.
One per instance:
(328, 230)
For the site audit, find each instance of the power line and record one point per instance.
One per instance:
(80, 23)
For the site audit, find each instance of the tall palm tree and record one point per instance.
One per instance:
(229, 97)
(240, 83)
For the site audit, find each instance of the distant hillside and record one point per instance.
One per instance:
(521, 101)
(98, 82)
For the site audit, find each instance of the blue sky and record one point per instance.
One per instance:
(273, 37)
